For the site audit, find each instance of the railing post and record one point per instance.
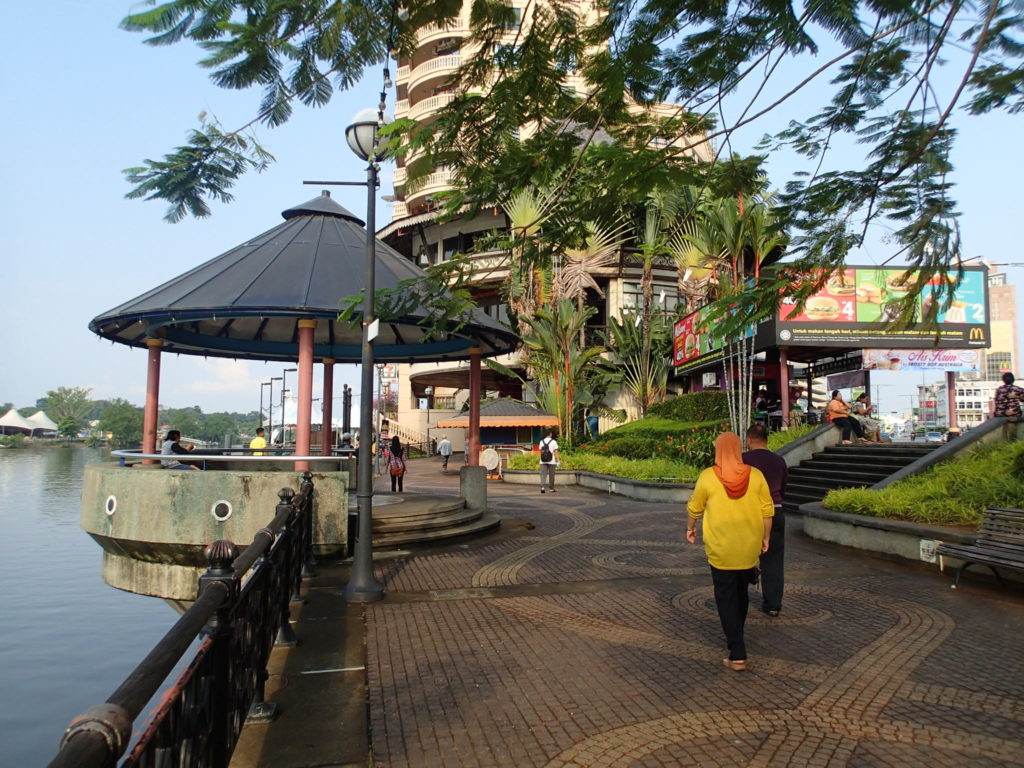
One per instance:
(285, 635)
(220, 628)
(309, 560)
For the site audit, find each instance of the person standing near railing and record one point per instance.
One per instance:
(258, 442)
(172, 446)
(396, 465)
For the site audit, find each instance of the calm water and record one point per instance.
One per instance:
(68, 639)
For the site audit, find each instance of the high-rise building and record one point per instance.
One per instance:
(424, 86)
(1002, 354)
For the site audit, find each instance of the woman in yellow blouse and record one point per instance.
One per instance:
(734, 500)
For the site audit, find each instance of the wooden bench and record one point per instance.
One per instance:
(1000, 544)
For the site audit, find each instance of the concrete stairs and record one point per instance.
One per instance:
(848, 466)
(414, 518)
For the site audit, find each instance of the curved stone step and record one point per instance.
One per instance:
(426, 522)
(484, 522)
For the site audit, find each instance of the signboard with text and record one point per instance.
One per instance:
(963, 360)
(857, 303)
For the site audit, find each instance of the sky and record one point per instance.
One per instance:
(84, 100)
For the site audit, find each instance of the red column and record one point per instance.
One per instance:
(951, 399)
(326, 430)
(473, 436)
(784, 384)
(304, 414)
(149, 416)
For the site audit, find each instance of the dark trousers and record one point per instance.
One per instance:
(396, 482)
(771, 564)
(731, 599)
(848, 423)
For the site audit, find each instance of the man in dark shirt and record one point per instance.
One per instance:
(774, 469)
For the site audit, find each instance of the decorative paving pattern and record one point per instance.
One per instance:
(613, 660)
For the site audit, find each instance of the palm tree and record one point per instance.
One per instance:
(600, 249)
(642, 358)
(526, 210)
(561, 368)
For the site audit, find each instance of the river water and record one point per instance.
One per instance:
(68, 639)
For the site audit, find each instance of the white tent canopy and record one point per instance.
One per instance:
(39, 420)
(15, 420)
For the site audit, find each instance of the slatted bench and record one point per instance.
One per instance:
(1000, 544)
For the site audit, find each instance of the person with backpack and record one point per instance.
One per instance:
(548, 461)
(396, 465)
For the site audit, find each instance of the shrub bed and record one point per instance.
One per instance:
(955, 493)
(651, 470)
(696, 406)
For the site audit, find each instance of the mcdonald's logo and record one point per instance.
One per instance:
(977, 334)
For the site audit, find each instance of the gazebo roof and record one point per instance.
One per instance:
(246, 303)
(505, 412)
(15, 420)
(39, 420)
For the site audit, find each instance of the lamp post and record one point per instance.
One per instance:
(284, 383)
(362, 587)
(262, 386)
(429, 392)
(270, 408)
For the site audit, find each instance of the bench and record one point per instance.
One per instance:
(1000, 544)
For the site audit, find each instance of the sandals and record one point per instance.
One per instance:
(736, 666)
(847, 442)
(864, 440)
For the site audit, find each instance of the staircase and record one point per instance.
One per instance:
(411, 518)
(848, 466)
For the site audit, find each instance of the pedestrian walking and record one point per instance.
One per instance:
(776, 473)
(736, 506)
(1008, 398)
(396, 465)
(548, 461)
(445, 449)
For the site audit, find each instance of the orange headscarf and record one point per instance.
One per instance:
(729, 466)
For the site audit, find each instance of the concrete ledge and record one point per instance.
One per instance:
(641, 490)
(911, 541)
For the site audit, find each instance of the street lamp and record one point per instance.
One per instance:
(429, 392)
(284, 383)
(284, 424)
(270, 408)
(262, 386)
(362, 587)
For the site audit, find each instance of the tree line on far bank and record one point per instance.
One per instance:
(75, 412)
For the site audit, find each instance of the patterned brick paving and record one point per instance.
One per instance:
(587, 636)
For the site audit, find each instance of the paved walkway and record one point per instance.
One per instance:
(584, 633)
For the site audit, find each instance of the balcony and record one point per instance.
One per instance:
(425, 108)
(431, 184)
(401, 108)
(440, 68)
(402, 74)
(432, 33)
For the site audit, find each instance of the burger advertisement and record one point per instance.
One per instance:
(857, 304)
(689, 338)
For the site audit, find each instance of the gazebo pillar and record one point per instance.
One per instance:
(473, 437)
(327, 417)
(304, 415)
(151, 411)
(784, 384)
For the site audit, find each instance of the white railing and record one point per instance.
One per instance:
(440, 65)
(428, 106)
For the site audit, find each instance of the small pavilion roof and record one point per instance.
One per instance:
(246, 303)
(505, 412)
(39, 420)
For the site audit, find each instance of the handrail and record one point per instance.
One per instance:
(241, 611)
(227, 455)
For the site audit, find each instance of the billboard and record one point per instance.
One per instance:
(694, 341)
(964, 360)
(857, 303)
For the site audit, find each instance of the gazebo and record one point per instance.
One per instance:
(276, 297)
(505, 421)
(39, 420)
(12, 421)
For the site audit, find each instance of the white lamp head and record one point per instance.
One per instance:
(361, 132)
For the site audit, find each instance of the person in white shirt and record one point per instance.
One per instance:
(445, 449)
(548, 461)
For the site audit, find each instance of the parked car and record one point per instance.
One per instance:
(933, 437)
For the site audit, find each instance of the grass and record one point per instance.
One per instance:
(652, 470)
(954, 493)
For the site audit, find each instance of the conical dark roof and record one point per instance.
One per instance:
(246, 303)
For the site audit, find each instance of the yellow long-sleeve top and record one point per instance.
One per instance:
(733, 528)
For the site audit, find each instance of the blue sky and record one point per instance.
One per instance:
(84, 100)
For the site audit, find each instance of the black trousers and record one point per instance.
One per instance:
(396, 483)
(772, 579)
(848, 423)
(731, 600)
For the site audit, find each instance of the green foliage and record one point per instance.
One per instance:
(653, 470)
(68, 407)
(124, 421)
(693, 407)
(954, 493)
(12, 441)
(777, 440)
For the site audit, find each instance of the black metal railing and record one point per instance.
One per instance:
(241, 612)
